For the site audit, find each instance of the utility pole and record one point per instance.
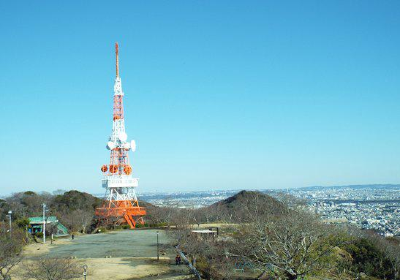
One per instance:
(158, 251)
(44, 223)
(10, 217)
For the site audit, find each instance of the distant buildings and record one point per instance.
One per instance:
(375, 207)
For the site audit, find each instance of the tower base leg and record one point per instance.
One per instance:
(113, 216)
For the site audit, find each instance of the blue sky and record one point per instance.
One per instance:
(219, 94)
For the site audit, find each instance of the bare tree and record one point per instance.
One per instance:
(83, 218)
(157, 215)
(52, 269)
(182, 218)
(77, 220)
(391, 251)
(14, 202)
(207, 254)
(10, 250)
(393, 254)
(290, 246)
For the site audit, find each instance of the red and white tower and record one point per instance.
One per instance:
(121, 204)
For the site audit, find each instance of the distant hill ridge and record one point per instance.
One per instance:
(368, 186)
(244, 204)
(246, 196)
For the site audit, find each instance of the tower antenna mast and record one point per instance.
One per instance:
(116, 60)
(120, 203)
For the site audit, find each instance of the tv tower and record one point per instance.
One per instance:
(120, 204)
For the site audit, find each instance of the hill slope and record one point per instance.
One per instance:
(244, 206)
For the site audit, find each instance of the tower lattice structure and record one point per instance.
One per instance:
(120, 204)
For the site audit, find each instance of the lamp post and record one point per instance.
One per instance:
(85, 267)
(44, 223)
(10, 217)
(158, 251)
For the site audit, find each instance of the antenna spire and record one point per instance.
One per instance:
(116, 60)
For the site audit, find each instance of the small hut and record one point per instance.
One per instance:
(52, 225)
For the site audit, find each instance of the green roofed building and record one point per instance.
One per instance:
(52, 223)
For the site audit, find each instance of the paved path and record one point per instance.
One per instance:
(131, 254)
(126, 243)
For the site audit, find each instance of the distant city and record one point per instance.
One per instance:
(374, 207)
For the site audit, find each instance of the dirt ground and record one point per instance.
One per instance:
(128, 254)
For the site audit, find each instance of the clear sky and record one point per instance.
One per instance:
(218, 94)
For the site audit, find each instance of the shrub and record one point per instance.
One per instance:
(370, 259)
(22, 222)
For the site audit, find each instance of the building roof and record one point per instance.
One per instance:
(39, 220)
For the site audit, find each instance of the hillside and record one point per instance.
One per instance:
(242, 206)
(248, 198)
